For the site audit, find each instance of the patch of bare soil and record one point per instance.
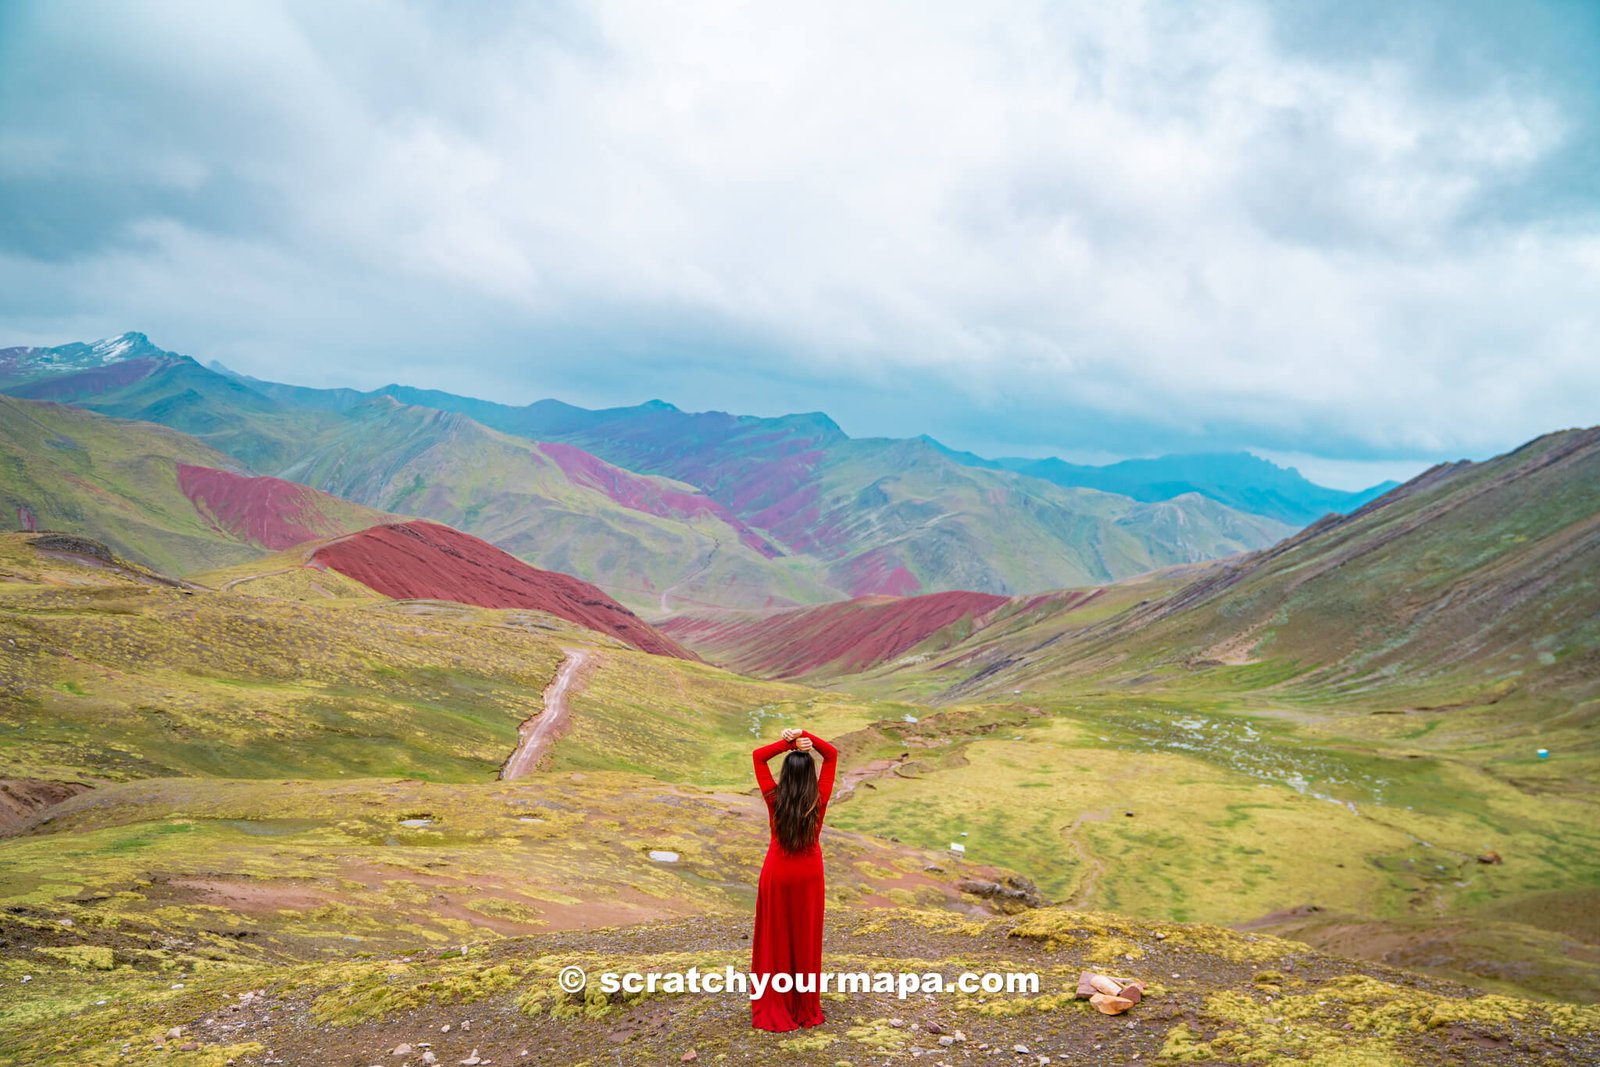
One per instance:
(250, 896)
(21, 799)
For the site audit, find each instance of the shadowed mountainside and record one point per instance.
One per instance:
(1471, 582)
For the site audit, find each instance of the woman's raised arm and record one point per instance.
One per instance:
(830, 762)
(760, 757)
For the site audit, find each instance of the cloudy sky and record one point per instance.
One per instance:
(1359, 236)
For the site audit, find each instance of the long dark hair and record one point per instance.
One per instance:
(794, 810)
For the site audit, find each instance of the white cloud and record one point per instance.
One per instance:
(1152, 213)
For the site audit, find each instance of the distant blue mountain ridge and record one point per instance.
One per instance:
(1241, 480)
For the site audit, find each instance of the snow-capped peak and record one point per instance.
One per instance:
(112, 349)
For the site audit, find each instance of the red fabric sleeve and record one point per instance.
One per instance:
(764, 773)
(830, 762)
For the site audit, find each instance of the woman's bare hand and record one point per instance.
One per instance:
(803, 744)
(790, 734)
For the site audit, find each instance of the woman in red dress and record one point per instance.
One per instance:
(788, 934)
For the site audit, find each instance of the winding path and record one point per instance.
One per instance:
(305, 562)
(538, 731)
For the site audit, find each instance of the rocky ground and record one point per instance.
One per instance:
(1213, 995)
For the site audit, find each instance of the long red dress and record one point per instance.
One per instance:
(788, 934)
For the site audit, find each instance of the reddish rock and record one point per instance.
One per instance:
(269, 512)
(427, 561)
(848, 637)
(1109, 1005)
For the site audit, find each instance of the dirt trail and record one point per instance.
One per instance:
(1094, 867)
(542, 729)
(866, 772)
(305, 561)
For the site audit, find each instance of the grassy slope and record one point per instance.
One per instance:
(117, 481)
(118, 679)
(1236, 816)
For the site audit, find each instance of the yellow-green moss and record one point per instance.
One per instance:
(879, 1036)
(1351, 1021)
(937, 922)
(373, 991)
(1003, 1007)
(86, 957)
(1109, 939)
